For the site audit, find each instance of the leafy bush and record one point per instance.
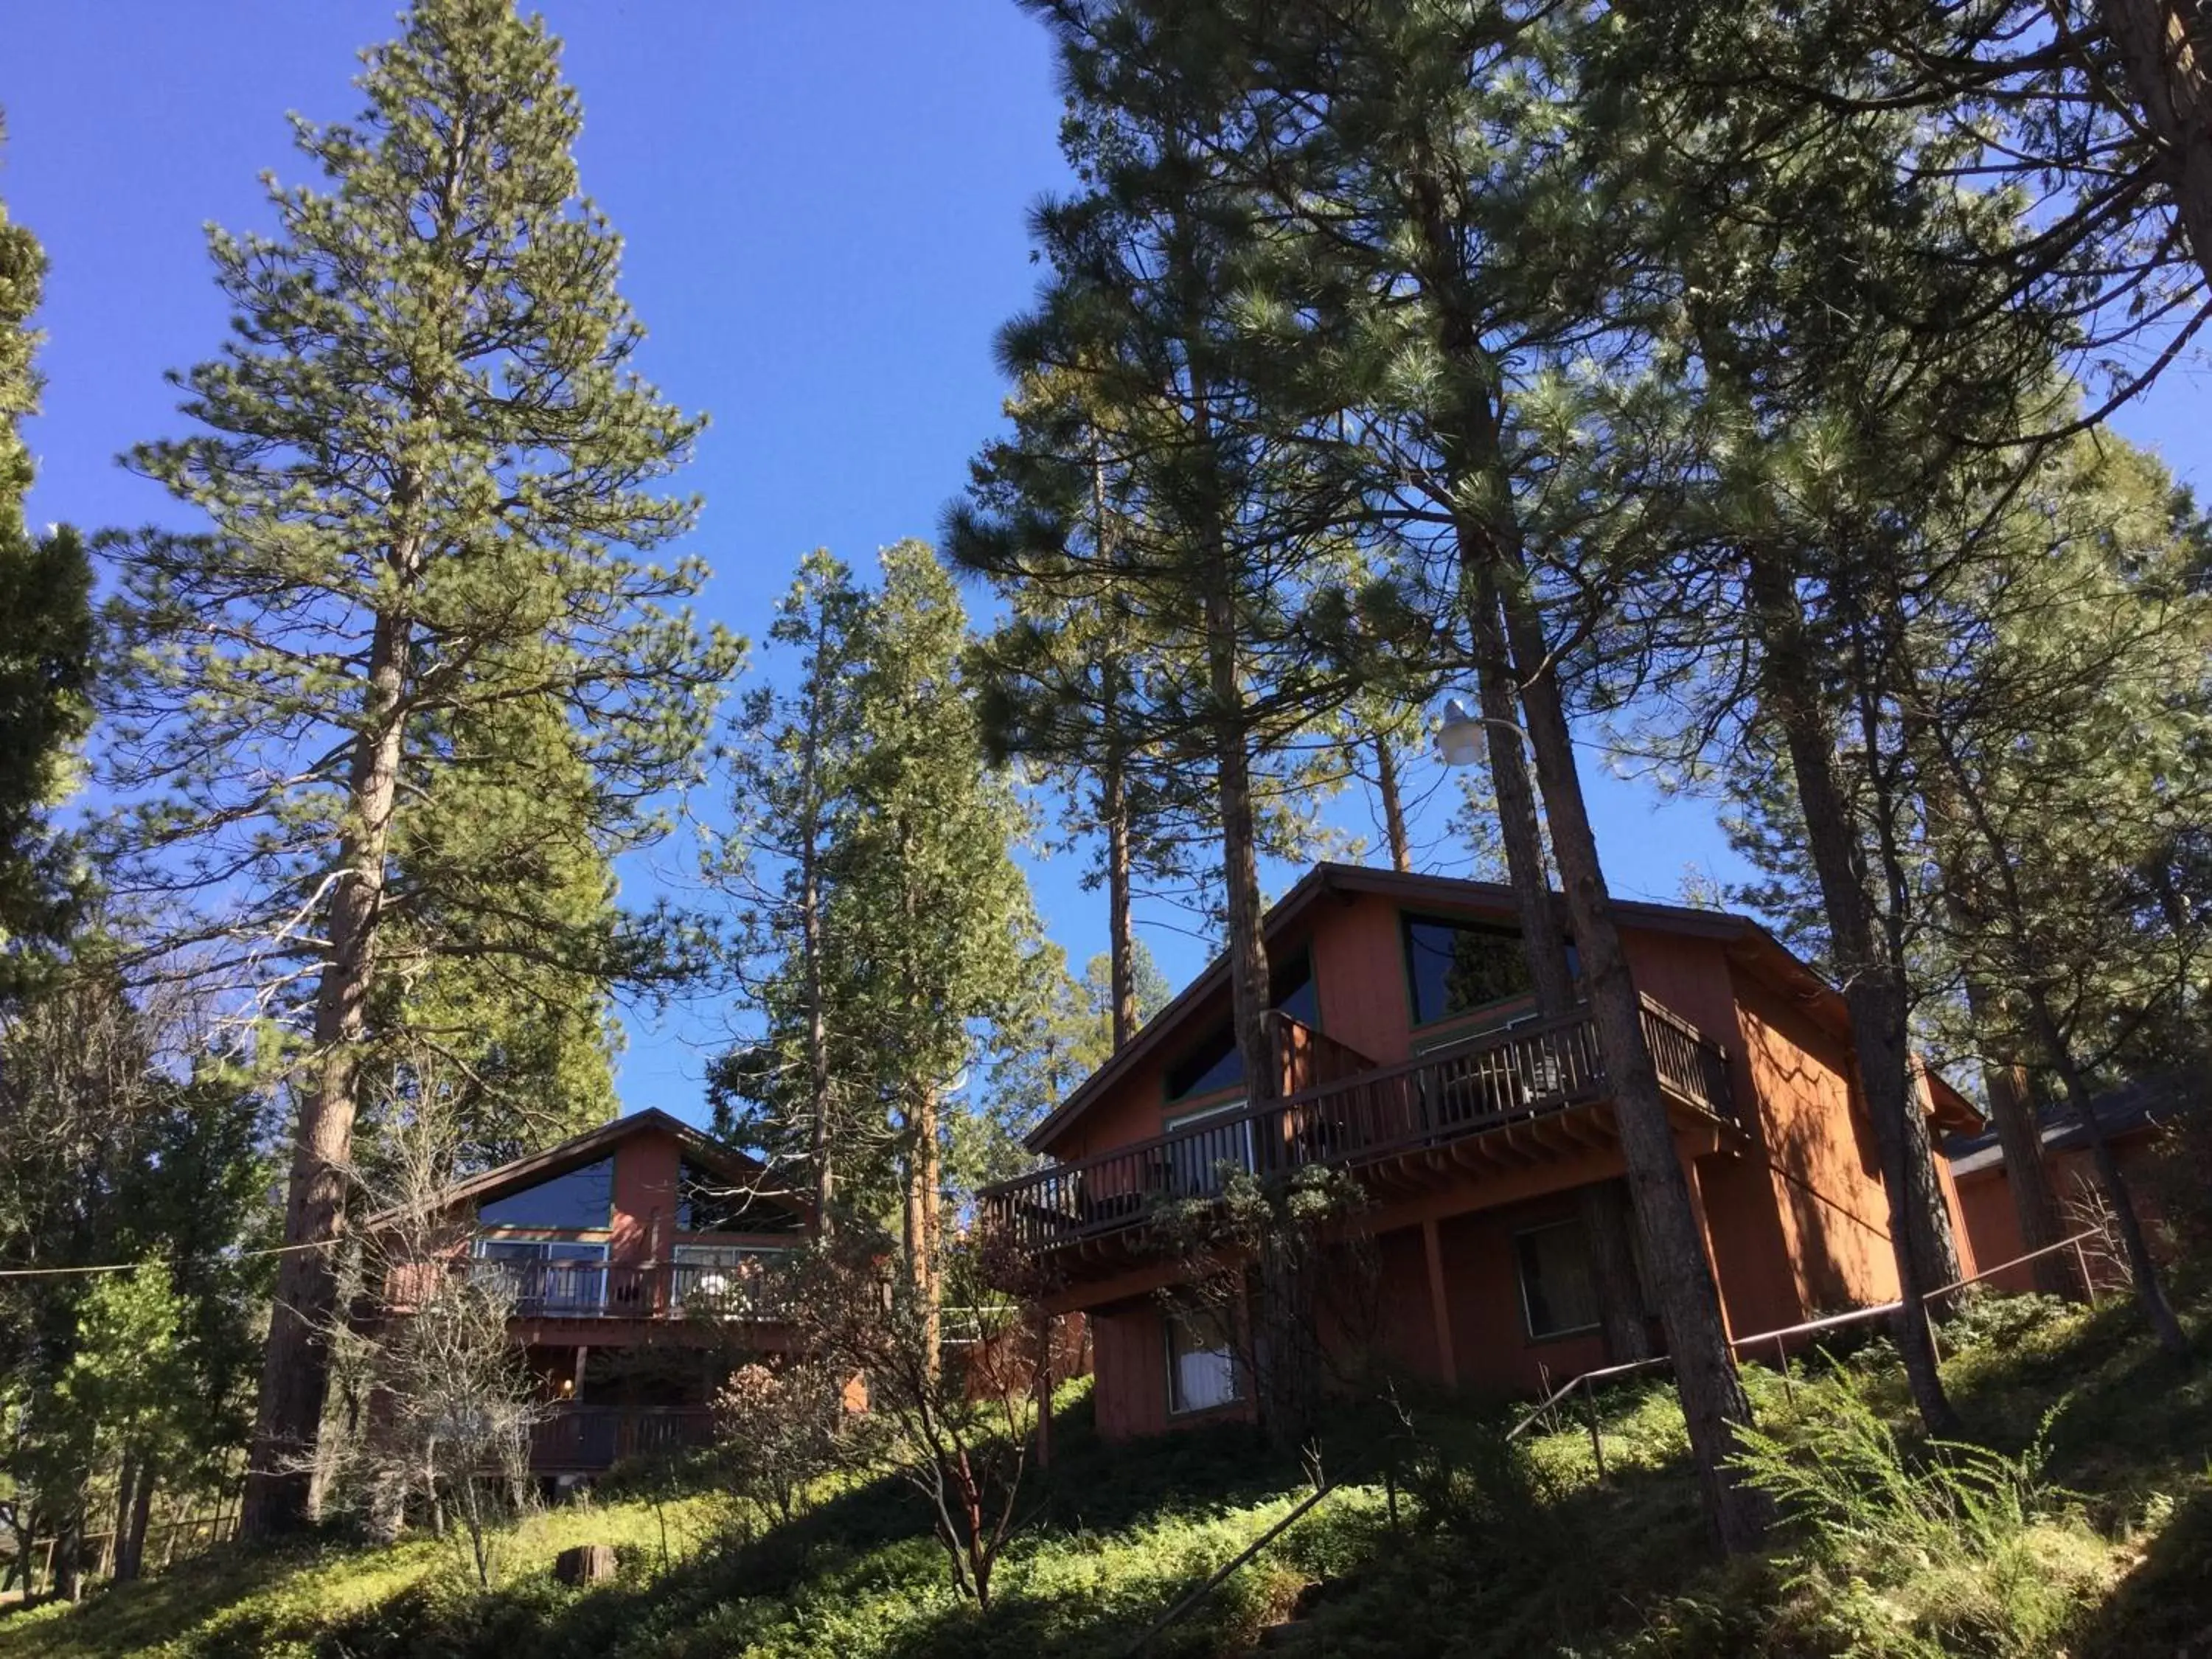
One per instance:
(2002, 1321)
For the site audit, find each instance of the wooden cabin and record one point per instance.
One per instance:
(1412, 1057)
(638, 1260)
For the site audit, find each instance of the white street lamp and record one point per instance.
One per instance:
(1460, 736)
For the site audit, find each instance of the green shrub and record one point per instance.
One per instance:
(1957, 1550)
(2002, 1321)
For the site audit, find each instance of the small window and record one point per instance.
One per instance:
(580, 1200)
(1557, 1296)
(1201, 1361)
(1455, 967)
(1214, 1064)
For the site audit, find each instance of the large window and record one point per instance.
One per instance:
(1213, 1063)
(1456, 967)
(1558, 1297)
(1201, 1361)
(551, 1277)
(577, 1201)
(707, 1202)
(723, 1279)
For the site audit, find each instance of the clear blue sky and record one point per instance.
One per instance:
(823, 207)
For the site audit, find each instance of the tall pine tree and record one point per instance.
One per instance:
(429, 473)
(46, 640)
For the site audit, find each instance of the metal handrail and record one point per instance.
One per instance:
(1780, 1337)
(1222, 1574)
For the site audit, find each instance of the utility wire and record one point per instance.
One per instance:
(131, 1267)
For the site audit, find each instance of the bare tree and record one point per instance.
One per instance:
(780, 1430)
(959, 1435)
(434, 1399)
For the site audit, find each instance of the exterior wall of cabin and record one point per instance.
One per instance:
(1495, 1354)
(1128, 1363)
(645, 1169)
(1986, 1203)
(1795, 1218)
(1817, 1158)
(1361, 966)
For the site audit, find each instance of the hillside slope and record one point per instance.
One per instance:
(1488, 1555)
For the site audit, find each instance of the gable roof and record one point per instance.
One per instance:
(1747, 942)
(2139, 1105)
(594, 1144)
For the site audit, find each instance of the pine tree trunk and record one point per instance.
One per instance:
(822, 1149)
(67, 1557)
(2161, 48)
(1608, 1225)
(1789, 685)
(2027, 1176)
(1934, 1246)
(1714, 1405)
(2004, 1081)
(1519, 829)
(1394, 811)
(126, 1492)
(1114, 803)
(1240, 859)
(130, 1538)
(1114, 809)
(931, 1185)
(918, 1215)
(281, 1490)
(2142, 1266)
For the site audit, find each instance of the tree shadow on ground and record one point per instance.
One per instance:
(1518, 1573)
(866, 1537)
(235, 1586)
(2164, 1606)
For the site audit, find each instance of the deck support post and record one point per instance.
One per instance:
(1044, 1322)
(1439, 1306)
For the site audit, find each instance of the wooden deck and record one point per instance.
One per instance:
(591, 1439)
(1528, 1092)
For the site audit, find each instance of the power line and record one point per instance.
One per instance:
(132, 1266)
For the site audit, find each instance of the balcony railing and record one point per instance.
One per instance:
(1487, 1081)
(605, 1289)
(594, 1437)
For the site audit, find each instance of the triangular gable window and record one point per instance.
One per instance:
(578, 1201)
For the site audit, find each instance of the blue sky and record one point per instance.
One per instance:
(824, 208)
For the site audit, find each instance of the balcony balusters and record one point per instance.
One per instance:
(1495, 1078)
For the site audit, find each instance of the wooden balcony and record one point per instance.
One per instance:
(1461, 1099)
(588, 1440)
(619, 1291)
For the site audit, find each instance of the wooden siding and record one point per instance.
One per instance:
(1482, 1289)
(1989, 1222)
(1361, 966)
(1129, 1359)
(1822, 1170)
